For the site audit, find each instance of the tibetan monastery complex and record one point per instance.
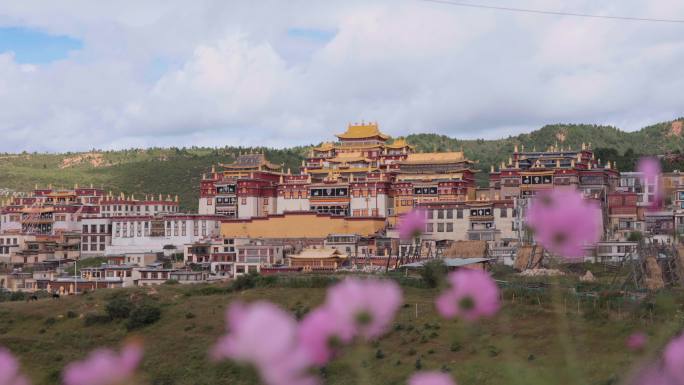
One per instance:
(338, 211)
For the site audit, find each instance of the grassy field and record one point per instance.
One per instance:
(537, 338)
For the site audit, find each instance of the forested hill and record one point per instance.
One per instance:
(608, 142)
(178, 170)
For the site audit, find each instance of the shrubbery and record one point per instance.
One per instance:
(121, 307)
(433, 272)
(143, 315)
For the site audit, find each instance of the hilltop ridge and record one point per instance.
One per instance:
(177, 171)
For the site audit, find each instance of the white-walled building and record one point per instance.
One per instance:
(139, 234)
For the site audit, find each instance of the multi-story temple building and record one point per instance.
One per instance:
(51, 211)
(363, 174)
(527, 172)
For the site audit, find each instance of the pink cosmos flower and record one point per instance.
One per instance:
(564, 222)
(652, 375)
(650, 168)
(673, 360)
(412, 224)
(265, 336)
(669, 370)
(637, 341)
(473, 294)
(320, 334)
(9, 369)
(104, 367)
(431, 378)
(364, 307)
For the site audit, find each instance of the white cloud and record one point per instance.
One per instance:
(228, 73)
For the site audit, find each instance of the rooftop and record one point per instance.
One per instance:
(362, 131)
(435, 157)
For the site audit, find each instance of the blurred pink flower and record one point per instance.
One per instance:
(650, 168)
(9, 369)
(564, 222)
(320, 334)
(673, 359)
(363, 307)
(431, 378)
(412, 224)
(473, 294)
(265, 336)
(104, 367)
(652, 375)
(637, 341)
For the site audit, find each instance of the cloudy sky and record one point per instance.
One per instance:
(80, 74)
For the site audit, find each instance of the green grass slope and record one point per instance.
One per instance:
(531, 341)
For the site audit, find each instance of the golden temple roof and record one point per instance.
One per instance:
(362, 131)
(322, 253)
(435, 157)
(325, 147)
(342, 170)
(399, 143)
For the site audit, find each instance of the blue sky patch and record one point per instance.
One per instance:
(321, 35)
(31, 46)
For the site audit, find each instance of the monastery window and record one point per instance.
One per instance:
(503, 212)
(440, 214)
(375, 212)
(459, 214)
(440, 227)
(450, 214)
(85, 228)
(93, 228)
(102, 246)
(102, 238)
(93, 238)
(429, 227)
(102, 229)
(430, 214)
(450, 227)
(84, 247)
(84, 239)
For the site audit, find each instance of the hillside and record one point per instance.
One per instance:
(140, 171)
(178, 171)
(531, 340)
